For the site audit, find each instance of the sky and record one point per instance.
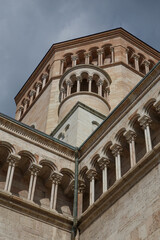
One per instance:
(28, 28)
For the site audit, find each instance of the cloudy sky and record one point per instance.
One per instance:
(29, 27)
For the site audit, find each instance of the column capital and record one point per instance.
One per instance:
(127, 50)
(56, 177)
(20, 108)
(13, 159)
(90, 78)
(100, 82)
(91, 174)
(31, 93)
(87, 54)
(81, 186)
(78, 78)
(35, 168)
(26, 100)
(69, 82)
(63, 60)
(116, 149)
(100, 51)
(38, 84)
(44, 76)
(62, 90)
(112, 48)
(130, 135)
(146, 63)
(135, 56)
(145, 121)
(74, 57)
(103, 162)
(107, 89)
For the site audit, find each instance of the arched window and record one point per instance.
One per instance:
(61, 136)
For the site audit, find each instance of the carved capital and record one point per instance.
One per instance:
(13, 159)
(35, 168)
(100, 82)
(87, 54)
(146, 63)
(116, 149)
(74, 57)
(103, 162)
(69, 82)
(91, 174)
(78, 78)
(44, 76)
(100, 51)
(130, 136)
(56, 177)
(31, 93)
(145, 121)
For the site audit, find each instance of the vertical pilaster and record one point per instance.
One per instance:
(44, 80)
(87, 56)
(78, 78)
(81, 189)
(112, 54)
(74, 60)
(90, 83)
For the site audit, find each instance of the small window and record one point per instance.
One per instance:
(67, 127)
(61, 136)
(94, 125)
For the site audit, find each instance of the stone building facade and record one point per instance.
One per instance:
(81, 159)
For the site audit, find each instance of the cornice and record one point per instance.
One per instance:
(120, 187)
(36, 137)
(30, 209)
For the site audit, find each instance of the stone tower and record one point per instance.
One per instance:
(82, 158)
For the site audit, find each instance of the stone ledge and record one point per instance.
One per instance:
(30, 209)
(120, 187)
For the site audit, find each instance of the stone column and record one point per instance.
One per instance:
(91, 175)
(44, 79)
(78, 78)
(130, 137)
(127, 50)
(100, 56)
(112, 55)
(145, 122)
(87, 57)
(62, 66)
(116, 151)
(31, 95)
(100, 84)
(146, 64)
(106, 93)
(12, 160)
(62, 91)
(90, 83)
(56, 178)
(104, 163)
(38, 84)
(20, 110)
(69, 84)
(136, 61)
(26, 101)
(81, 189)
(34, 169)
(74, 60)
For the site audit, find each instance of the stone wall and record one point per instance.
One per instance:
(136, 216)
(16, 226)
